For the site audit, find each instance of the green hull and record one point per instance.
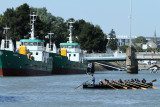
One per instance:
(15, 64)
(61, 65)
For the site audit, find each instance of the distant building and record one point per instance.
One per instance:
(152, 44)
(123, 40)
(145, 46)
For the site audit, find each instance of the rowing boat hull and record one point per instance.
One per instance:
(119, 86)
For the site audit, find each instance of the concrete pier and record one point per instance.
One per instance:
(131, 62)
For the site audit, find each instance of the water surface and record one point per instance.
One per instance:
(59, 91)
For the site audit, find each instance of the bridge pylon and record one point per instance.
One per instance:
(131, 62)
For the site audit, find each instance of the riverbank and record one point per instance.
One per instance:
(117, 64)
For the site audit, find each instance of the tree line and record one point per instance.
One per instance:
(91, 37)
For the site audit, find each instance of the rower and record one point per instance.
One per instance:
(100, 82)
(143, 81)
(120, 81)
(132, 80)
(106, 81)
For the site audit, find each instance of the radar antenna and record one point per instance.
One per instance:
(5, 32)
(33, 19)
(70, 30)
(50, 36)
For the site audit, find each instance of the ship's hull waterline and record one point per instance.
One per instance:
(15, 64)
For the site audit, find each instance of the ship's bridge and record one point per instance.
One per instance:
(71, 47)
(33, 44)
(72, 51)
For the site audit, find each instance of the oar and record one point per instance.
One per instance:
(154, 86)
(149, 85)
(112, 86)
(132, 83)
(117, 83)
(144, 84)
(154, 80)
(82, 84)
(129, 87)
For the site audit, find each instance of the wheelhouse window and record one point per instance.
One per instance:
(34, 43)
(30, 44)
(40, 44)
(6, 44)
(25, 43)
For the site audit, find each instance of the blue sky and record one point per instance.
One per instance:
(108, 14)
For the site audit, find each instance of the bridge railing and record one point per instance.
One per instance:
(147, 52)
(98, 55)
(147, 56)
(105, 55)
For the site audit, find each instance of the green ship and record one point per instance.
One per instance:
(33, 59)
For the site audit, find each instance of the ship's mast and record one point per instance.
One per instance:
(70, 30)
(6, 31)
(33, 19)
(50, 36)
(130, 22)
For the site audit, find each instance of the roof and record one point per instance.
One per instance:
(69, 43)
(31, 40)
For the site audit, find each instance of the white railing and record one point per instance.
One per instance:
(98, 55)
(148, 56)
(105, 55)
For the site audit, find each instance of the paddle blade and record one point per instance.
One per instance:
(143, 88)
(154, 87)
(125, 88)
(134, 88)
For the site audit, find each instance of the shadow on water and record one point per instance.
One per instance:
(8, 99)
(109, 72)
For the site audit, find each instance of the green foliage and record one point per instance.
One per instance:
(123, 48)
(140, 39)
(89, 36)
(139, 49)
(1, 18)
(18, 21)
(152, 49)
(112, 43)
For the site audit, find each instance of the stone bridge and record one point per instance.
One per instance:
(131, 57)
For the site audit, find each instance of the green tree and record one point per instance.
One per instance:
(50, 23)
(22, 27)
(60, 29)
(139, 49)
(112, 42)
(123, 48)
(89, 36)
(1, 28)
(140, 39)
